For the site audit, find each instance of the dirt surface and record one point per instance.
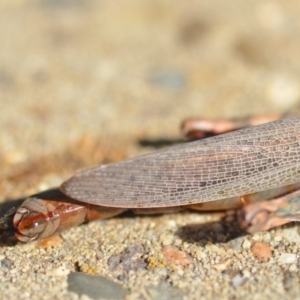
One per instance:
(89, 82)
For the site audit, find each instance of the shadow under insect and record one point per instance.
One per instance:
(221, 231)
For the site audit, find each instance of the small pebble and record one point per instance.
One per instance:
(277, 238)
(261, 251)
(60, 271)
(51, 241)
(236, 244)
(177, 242)
(287, 258)
(174, 255)
(166, 238)
(293, 268)
(246, 244)
(238, 280)
(6, 263)
(283, 91)
(168, 79)
(256, 237)
(291, 234)
(129, 259)
(165, 291)
(291, 281)
(95, 287)
(223, 265)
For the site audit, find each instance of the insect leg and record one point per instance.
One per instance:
(195, 129)
(265, 215)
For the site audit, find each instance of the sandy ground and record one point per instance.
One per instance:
(90, 82)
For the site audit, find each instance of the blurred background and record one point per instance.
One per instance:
(83, 82)
(91, 78)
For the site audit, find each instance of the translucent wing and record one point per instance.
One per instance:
(233, 164)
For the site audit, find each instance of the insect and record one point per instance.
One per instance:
(255, 169)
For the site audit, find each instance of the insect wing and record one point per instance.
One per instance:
(237, 163)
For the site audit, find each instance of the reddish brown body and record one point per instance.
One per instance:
(50, 212)
(41, 216)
